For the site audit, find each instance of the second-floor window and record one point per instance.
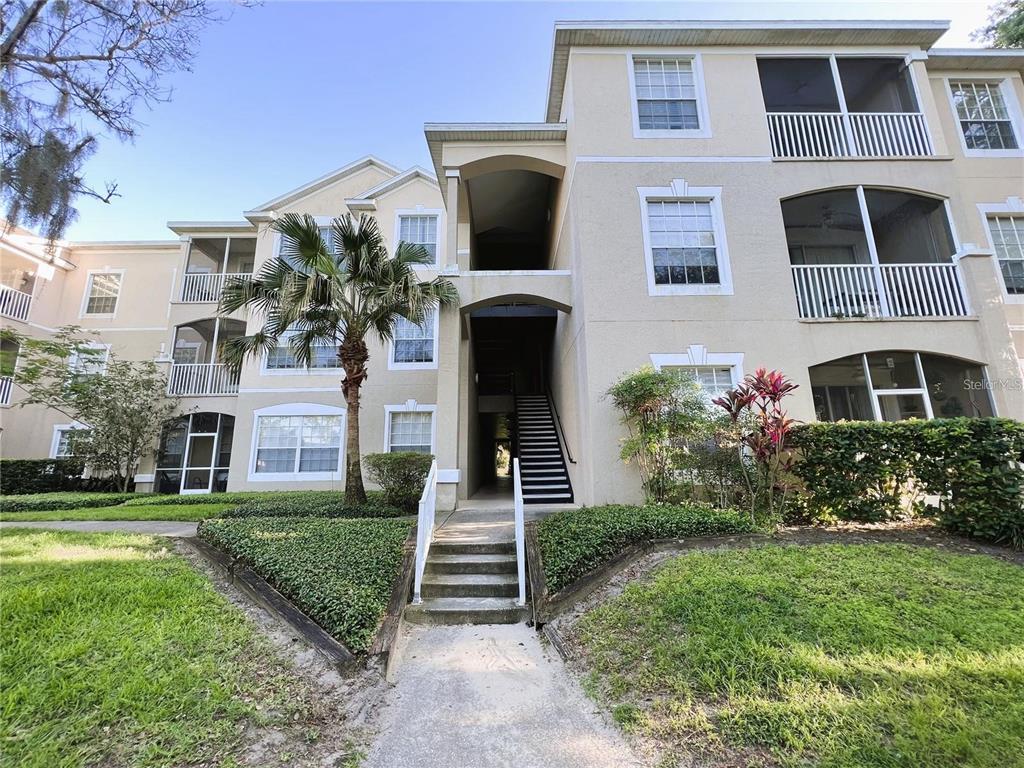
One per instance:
(102, 292)
(984, 115)
(92, 359)
(666, 94)
(683, 243)
(419, 230)
(282, 357)
(413, 345)
(1008, 240)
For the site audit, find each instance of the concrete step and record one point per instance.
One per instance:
(455, 546)
(466, 610)
(469, 563)
(470, 585)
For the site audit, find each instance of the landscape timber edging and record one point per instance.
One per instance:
(263, 593)
(547, 607)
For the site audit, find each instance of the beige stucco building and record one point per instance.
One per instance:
(840, 201)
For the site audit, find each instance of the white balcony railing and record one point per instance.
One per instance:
(849, 134)
(6, 385)
(205, 287)
(193, 379)
(887, 290)
(14, 304)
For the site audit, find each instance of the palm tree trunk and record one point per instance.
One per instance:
(354, 355)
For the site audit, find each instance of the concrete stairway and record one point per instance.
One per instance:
(545, 476)
(469, 583)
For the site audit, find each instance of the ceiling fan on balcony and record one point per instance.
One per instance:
(832, 219)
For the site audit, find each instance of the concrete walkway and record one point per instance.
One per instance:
(490, 696)
(155, 527)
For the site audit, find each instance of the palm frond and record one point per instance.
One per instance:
(236, 350)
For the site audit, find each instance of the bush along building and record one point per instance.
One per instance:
(839, 200)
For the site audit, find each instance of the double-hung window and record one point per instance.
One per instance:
(984, 115)
(666, 94)
(282, 357)
(64, 437)
(414, 346)
(419, 229)
(91, 359)
(102, 292)
(410, 431)
(1008, 241)
(298, 444)
(714, 381)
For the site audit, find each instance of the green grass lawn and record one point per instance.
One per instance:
(190, 513)
(829, 656)
(117, 653)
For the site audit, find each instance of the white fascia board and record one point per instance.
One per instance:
(323, 181)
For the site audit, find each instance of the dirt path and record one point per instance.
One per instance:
(487, 697)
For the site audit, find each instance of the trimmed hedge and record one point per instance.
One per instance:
(47, 502)
(878, 471)
(248, 498)
(25, 476)
(577, 541)
(339, 572)
(401, 475)
(312, 504)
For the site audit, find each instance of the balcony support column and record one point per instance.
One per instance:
(448, 430)
(451, 259)
(869, 235)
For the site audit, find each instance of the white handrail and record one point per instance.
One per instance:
(884, 290)
(849, 134)
(202, 379)
(517, 485)
(424, 529)
(14, 304)
(206, 287)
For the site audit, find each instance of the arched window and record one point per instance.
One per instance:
(895, 385)
(194, 454)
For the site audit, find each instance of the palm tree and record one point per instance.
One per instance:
(334, 292)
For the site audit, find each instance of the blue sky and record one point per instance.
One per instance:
(282, 93)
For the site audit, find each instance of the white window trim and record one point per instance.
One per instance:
(55, 440)
(419, 210)
(697, 356)
(88, 289)
(296, 409)
(1014, 206)
(1013, 108)
(410, 406)
(432, 365)
(679, 190)
(298, 370)
(704, 132)
(74, 361)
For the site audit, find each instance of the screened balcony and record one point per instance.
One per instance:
(872, 253)
(840, 107)
(17, 281)
(211, 262)
(196, 369)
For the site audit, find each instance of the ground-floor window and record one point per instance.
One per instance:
(63, 443)
(713, 380)
(409, 428)
(195, 453)
(297, 441)
(897, 385)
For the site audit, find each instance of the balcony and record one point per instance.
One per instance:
(211, 262)
(206, 287)
(6, 387)
(839, 107)
(14, 304)
(877, 291)
(872, 253)
(199, 379)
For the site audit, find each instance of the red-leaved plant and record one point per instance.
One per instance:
(755, 407)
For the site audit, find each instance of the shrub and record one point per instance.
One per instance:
(401, 475)
(339, 572)
(575, 542)
(22, 476)
(871, 471)
(47, 502)
(311, 504)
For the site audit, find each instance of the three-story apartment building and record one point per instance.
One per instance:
(838, 200)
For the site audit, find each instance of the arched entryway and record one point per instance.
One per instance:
(194, 453)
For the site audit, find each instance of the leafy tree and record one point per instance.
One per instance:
(334, 293)
(122, 408)
(73, 70)
(1005, 28)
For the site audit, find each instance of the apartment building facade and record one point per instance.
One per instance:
(838, 200)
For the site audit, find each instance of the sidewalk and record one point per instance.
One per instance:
(155, 527)
(490, 696)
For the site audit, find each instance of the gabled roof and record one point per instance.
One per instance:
(323, 181)
(568, 34)
(365, 200)
(976, 58)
